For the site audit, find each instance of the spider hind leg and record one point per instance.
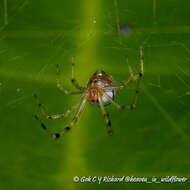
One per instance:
(66, 129)
(44, 126)
(56, 116)
(105, 115)
(73, 122)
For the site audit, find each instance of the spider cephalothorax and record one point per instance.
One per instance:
(100, 91)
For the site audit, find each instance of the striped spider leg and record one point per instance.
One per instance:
(106, 96)
(131, 78)
(81, 101)
(57, 116)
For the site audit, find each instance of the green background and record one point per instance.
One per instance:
(150, 141)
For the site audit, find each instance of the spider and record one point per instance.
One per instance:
(100, 91)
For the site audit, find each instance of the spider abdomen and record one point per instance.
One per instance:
(95, 92)
(111, 94)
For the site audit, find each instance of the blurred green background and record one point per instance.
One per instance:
(152, 140)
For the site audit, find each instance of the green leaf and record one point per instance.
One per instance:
(149, 141)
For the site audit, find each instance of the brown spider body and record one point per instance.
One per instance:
(100, 91)
(98, 86)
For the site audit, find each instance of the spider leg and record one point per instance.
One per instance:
(66, 129)
(60, 86)
(106, 116)
(139, 79)
(119, 106)
(73, 122)
(73, 80)
(133, 76)
(43, 126)
(56, 116)
(141, 61)
(136, 93)
(130, 68)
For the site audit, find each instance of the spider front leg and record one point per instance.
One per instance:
(132, 77)
(60, 86)
(136, 77)
(106, 116)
